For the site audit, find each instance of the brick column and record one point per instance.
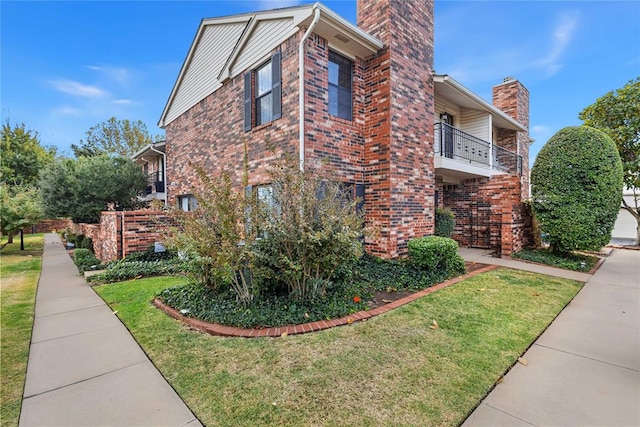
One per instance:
(513, 98)
(399, 168)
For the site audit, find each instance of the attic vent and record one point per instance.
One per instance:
(342, 38)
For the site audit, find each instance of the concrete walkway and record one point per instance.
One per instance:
(85, 368)
(584, 370)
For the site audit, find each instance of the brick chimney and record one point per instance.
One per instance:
(512, 97)
(399, 105)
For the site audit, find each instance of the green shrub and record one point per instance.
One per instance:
(433, 253)
(151, 255)
(87, 243)
(568, 260)
(309, 229)
(444, 222)
(85, 260)
(125, 270)
(577, 189)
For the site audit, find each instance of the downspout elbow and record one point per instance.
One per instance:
(301, 126)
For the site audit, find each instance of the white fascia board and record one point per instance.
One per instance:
(448, 80)
(357, 34)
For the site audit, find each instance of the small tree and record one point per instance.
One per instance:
(81, 188)
(311, 227)
(114, 136)
(20, 207)
(22, 155)
(617, 114)
(576, 182)
(215, 237)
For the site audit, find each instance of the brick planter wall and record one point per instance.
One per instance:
(122, 233)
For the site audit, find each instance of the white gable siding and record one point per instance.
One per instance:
(476, 123)
(210, 56)
(265, 37)
(444, 105)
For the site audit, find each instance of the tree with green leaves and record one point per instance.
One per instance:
(617, 113)
(20, 207)
(81, 188)
(22, 155)
(114, 136)
(576, 184)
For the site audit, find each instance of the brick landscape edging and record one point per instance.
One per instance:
(232, 331)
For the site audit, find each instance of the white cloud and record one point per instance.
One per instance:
(119, 75)
(563, 34)
(542, 52)
(78, 89)
(122, 101)
(67, 111)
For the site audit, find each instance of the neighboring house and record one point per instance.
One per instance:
(152, 160)
(625, 228)
(371, 111)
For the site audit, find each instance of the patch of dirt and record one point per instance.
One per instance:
(385, 297)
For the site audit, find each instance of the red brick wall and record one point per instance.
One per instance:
(513, 98)
(48, 225)
(509, 222)
(399, 169)
(141, 230)
(211, 134)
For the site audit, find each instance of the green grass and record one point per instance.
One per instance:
(568, 261)
(19, 273)
(390, 370)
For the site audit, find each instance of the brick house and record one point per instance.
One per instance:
(371, 110)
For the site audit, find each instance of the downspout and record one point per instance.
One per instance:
(164, 171)
(316, 18)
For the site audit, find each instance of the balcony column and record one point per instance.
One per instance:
(491, 141)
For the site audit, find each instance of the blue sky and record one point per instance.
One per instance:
(67, 66)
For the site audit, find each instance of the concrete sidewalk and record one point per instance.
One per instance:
(584, 370)
(85, 368)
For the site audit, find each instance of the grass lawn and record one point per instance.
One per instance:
(19, 273)
(391, 370)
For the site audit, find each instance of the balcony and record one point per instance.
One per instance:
(468, 155)
(155, 183)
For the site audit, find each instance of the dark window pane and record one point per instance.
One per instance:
(340, 81)
(264, 109)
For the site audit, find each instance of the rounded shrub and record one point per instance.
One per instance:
(435, 253)
(577, 189)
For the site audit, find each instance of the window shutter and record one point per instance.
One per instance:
(276, 85)
(360, 198)
(247, 101)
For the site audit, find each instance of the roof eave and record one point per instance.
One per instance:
(448, 80)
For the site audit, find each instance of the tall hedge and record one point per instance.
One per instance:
(577, 189)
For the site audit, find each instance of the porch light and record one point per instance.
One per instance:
(444, 117)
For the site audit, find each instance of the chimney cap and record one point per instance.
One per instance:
(508, 79)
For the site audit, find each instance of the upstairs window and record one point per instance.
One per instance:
(340, 83)
(263, 94)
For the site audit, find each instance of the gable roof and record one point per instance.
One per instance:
(227, 46)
